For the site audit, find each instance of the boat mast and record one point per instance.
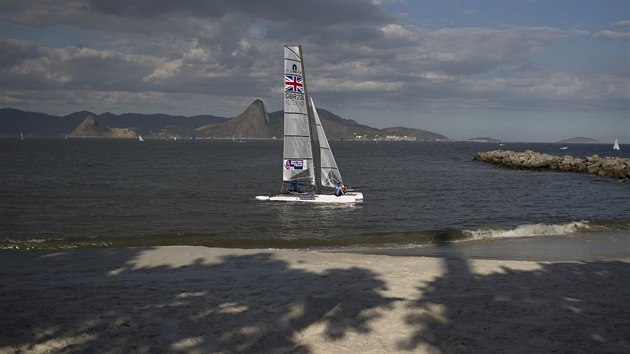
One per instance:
(309, 112)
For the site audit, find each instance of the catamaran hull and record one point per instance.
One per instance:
(352, 197)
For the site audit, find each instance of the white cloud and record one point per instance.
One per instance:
(395, 31)
(243, 47)
(613, 36)
(341, 85)
(165, 71)
(197, 53)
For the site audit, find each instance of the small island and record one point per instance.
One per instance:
(579, 140)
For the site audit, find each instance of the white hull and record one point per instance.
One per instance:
(350, 197)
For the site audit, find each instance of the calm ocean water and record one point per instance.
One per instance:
(58, 193)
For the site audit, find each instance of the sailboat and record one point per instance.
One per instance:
(21, 136)
(234, 140)
(616, 145)
(299, 167)
(140, 138)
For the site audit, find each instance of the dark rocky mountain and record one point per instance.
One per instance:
(90, 128)
(251, 124)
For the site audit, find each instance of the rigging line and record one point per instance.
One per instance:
(292, 51)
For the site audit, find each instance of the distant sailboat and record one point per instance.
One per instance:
(616, 146)
(21, 136)
(140, 138)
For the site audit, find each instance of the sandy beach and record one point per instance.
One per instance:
(183, 299)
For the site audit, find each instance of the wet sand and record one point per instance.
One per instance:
(182, 299)
(575, 247)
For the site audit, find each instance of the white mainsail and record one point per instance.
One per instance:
(616, 146)
(298, 164)
(330, 175)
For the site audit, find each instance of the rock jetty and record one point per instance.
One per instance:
(615, 167)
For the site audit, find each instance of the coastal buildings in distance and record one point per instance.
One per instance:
(386, 138)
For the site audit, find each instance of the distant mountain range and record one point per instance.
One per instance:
(13, 122)
(253, 123)
(579, 140)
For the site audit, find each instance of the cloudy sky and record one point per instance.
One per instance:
(513, 70)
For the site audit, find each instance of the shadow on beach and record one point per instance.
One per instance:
(242, 303)
(146, 301)
(575, 307)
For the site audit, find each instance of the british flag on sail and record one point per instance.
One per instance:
(293, 83)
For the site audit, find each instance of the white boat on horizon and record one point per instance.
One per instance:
(299, 168)
(616, 146)
(140, 138)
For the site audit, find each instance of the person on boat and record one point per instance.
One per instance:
(340, 189)
(295, 187)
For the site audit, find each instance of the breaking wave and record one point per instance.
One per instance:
(529, 230)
